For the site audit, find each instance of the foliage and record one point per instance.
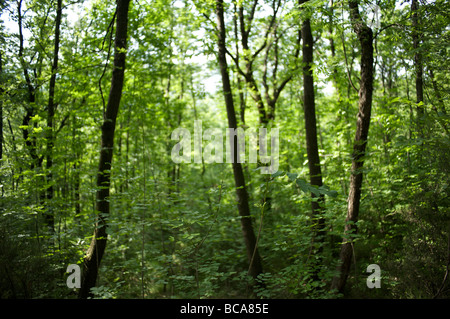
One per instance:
(174, 229)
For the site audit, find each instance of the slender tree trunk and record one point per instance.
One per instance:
(333, 50)
(50, 116)
(437, 92)
(417, 58)
(255, 267)
(29, 109)
(76, 169)
(365, 36)
(98, 244)
(1, 121)
(309, 108)
(1, 109)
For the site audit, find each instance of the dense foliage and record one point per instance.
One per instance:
(174, 229)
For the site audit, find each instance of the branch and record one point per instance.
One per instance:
(386, 27)
(275, 67)
(264, 77)
(209, 19)
(280, 88)
(63, 123)
(346, 63)
(252, 15)
(272, 22)
(236, 61)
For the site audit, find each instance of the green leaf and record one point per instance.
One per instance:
(278, 173)
(326, 191)
(302, 184)
(292, 176)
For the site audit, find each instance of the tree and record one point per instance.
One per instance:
(96, 250)
(1, 107)
(365, 37)
(255, 265)
(417, 56)
(30, 141)
(309, 109)
(51, 115)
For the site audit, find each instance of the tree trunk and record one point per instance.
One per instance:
(98, 244)
(50, 219)
(333, 50)
(417, 58)
(1, 122)
(255, 267)
(76, 169)
(29, 109)
(1, 109)
(365, 36)
(309, 108)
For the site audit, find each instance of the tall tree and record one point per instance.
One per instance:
(1, 106)
(1, 92)
(50, 116)
(255, 267)
(418, 64)
(365, 37)
(30, 142)
(309, 108)
(272, 83)
(97, 247)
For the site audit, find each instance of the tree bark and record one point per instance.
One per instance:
(255, 267)
(365, 36)
(30, 143)
(333, 49)
(97, 247)
(309, 109)
(1, 109)
(418, 64)
(1, 121)
(50, 219)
